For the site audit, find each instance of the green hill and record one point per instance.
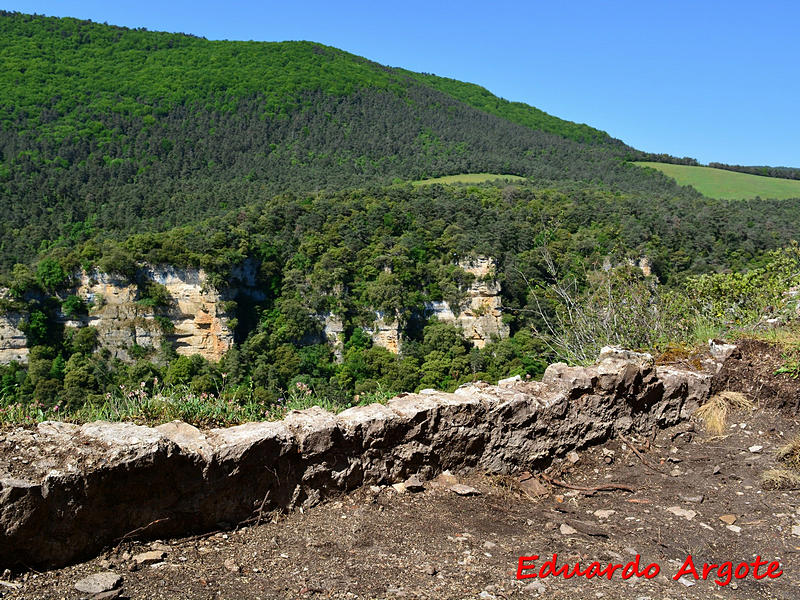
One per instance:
(517, 112)
(729, 185)
(115, 130)
(121, 148)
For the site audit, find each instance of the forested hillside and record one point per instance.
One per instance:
(384, 250)
(107, 129)
(124, 149)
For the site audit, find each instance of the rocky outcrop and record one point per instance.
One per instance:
(333, 330)
(67, 490)
(196, 319)
(386, 333)
(13, 343)
(198, 323)
(481, 316)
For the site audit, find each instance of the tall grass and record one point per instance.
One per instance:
(156, 404)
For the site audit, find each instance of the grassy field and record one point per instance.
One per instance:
(719, 183)
(469, 178)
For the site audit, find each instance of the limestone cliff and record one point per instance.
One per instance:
(13, 345)
(194, 320)
(386, 332)
(199, 322)
(481, 316)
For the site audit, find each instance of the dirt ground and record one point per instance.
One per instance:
(381, 543)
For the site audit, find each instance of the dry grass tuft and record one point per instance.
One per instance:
(780, 479)
(504, 484)
(790, 454)
(714, 413)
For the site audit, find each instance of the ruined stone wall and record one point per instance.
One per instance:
(67, 490)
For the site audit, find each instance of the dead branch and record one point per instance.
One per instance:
(611, 487)
(138, 530)
(645, 462)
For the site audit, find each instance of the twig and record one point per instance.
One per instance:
(639, 454)
(600, 488)
(652, 439)
(264, 500)
(139, 530)
(10, 584)
(261, 508)
(199, 536)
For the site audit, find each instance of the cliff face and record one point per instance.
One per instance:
(194, 321)
(481, 317)
(13, 344)
(386, 333)
(199, 322)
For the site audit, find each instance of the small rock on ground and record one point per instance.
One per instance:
(148, 558)
(567, 530)
(98, 583)
(413, 484)
(464, 490)
(682, 512)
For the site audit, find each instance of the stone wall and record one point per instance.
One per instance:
(67, 490)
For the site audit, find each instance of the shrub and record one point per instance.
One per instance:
(50, 274)
(73, 306)
(154, 294)
(615, 307)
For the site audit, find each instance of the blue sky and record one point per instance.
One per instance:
(716, 80)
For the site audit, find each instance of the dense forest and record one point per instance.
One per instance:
(121, 148)
(388, 249)
(112, 130)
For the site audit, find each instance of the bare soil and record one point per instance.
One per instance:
(381, 543)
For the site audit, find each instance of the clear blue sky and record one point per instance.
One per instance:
(716, 80)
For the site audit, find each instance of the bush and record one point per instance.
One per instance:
(618, 307)
(37, 328)
(154, 294)
(74, 306)
(50, 274)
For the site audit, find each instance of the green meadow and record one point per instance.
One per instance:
(469, 178)
(728, 185)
